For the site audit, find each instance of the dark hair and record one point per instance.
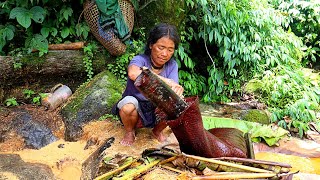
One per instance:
(159, 31)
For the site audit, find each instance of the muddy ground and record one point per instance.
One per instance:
(66, 158)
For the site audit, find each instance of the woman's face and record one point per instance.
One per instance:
(162, 51)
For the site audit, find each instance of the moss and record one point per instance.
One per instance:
(108, 82)
(253, 86)
(168, 11)
(255, 115)
(33, 60)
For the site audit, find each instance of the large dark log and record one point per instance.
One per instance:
(158, 92)
(54, 63)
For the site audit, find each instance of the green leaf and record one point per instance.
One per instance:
(45, 31)
(7, 33)
(38, 42)
(65, 32)
(38, 14)
(53, 31)
(257, 131)
(22, 15)
(211, 36)
(66, 12)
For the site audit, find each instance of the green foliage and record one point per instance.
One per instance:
(192, 81)
(11, 102)
(87, 59)
(24, 16)
(33, 97)
(249, 38)
(303, 19)
(269, 133)
(6, 34)
(119, 68)
(35, 24)
(109, 116)
(36, 100)
(28, 93)
(288, 93)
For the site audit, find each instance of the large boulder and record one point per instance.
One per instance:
(90, 101)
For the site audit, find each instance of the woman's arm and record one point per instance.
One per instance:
(133, 72)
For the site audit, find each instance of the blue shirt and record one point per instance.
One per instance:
(170, 70)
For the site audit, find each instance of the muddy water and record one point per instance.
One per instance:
(301, 164)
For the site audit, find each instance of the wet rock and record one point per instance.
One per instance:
(13, 167)
(21, 122)
(36, 135)
(89, 102)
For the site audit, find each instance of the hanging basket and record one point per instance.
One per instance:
(107, 38)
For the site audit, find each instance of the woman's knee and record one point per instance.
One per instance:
(128, 109)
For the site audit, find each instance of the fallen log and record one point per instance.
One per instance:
(54, 63)
(65, 46)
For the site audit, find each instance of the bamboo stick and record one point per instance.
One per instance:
(138, 171)
(237, 175)
(126, 164)
(168, 160)
(248, 168)
(172, 169)
(254, 161)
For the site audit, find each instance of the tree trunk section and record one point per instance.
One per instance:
(55, 63)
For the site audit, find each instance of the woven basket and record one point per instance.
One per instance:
(107, 38)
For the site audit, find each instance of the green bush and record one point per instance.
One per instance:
(32, 25)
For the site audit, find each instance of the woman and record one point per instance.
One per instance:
(134, 109)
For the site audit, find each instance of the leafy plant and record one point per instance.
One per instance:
(33, 25)
(291, 97)
(303, 19)
(24, 15)
(36, 100)
(6, 34)
(271, 134)
(11, 102)
(119, 68)
(28, 93)
(245, 37)
(87, 59)
(109, 116)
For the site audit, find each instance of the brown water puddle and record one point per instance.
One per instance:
(301, 164)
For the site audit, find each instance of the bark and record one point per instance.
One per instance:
(65, 46)
(54, 63)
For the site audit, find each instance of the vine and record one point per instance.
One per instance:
(87, 59)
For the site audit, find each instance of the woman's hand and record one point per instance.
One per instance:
(177, 88)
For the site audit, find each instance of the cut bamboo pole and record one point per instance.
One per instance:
(168, 160)
(238, 175)
(138, 171)
(254, 161)
(243, 167)
(126, 164)
(172, 169)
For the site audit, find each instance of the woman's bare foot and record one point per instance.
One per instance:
(159, 136)
(128, 138)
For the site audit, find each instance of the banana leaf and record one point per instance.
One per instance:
(271, 134)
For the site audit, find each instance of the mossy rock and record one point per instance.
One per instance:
(90, 101)
(255, 115)
(253, 86)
